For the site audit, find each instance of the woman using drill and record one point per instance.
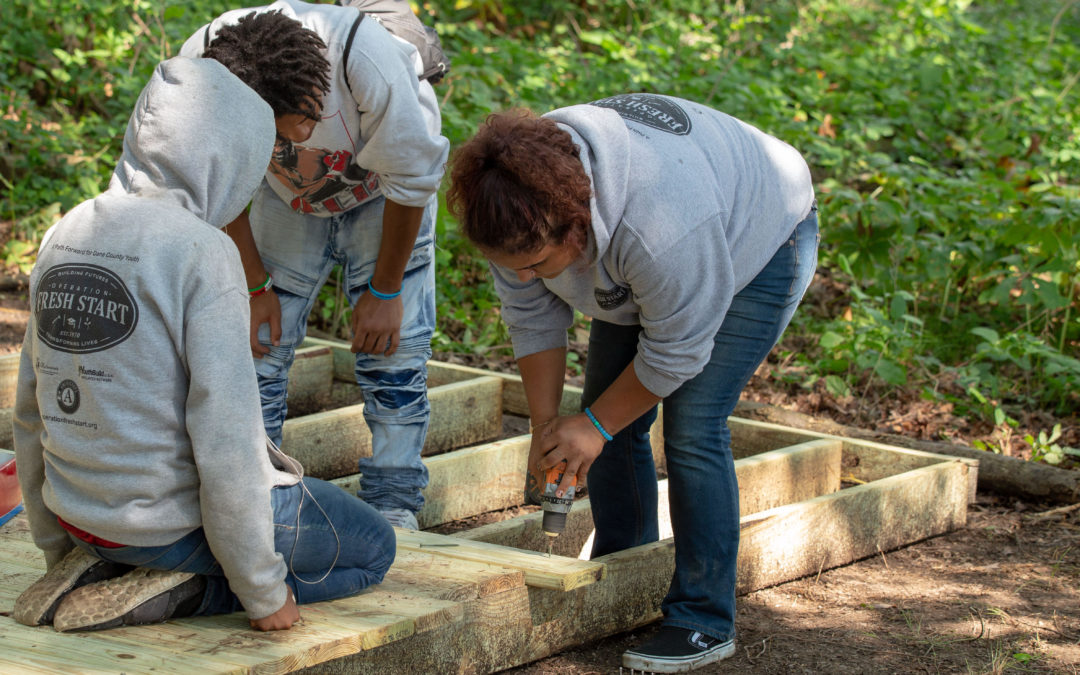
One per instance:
(689, 237)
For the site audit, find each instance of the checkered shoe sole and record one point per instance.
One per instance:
(112, 603)
(37, 604)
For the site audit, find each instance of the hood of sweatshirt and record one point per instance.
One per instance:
(198, 137)
(604, 150)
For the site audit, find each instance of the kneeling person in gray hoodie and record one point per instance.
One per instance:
(148, 479)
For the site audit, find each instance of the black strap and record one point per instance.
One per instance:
(348, 47)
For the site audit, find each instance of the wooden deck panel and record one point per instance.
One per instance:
(479, 607)
(423, 591)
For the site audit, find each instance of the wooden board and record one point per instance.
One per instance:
(481, 601)
(329, 444)
(423, 591)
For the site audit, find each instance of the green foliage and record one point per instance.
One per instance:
(943, 137)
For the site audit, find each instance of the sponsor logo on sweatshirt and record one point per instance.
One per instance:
(95, 374)
(612, 298)
(81, 309)
(651, 110)
(67, 396)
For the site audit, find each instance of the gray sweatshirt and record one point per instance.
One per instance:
(137, 413)
(380, 128)
(688, 205)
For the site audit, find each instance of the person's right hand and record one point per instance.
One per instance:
(284, 618)
(534, 476)
(265, 308)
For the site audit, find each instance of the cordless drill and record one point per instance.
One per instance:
(556, 508)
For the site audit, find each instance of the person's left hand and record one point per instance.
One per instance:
(376, 325)
(572, 439)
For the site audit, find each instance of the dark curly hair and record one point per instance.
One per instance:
(278, 58)
(519, 185)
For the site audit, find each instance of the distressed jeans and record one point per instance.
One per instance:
(300, 251)
(703, 492)
(334, 546)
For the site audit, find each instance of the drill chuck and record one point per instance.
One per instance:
(556, 508)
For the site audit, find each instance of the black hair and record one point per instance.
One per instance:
(278, 58)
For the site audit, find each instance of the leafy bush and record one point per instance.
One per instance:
(942, 135)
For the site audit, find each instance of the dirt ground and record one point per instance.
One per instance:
(1001, 595)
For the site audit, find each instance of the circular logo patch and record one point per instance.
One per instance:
(83, 308)
(67, 396)
(651, 110)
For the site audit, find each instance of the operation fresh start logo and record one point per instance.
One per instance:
(81, 309)
(650, 110)
(611, 298)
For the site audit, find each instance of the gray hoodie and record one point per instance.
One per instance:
(137, 413)
(380, 128)
(688, 205)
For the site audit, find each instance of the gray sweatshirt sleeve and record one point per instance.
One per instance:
(30, 459)
(683, 295)
(537, 318)
(227, 438)
(397, 143)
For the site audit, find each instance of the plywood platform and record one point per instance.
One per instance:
(486, 599)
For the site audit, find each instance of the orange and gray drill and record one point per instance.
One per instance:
(556, 508)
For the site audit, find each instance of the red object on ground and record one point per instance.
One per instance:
(10, 495)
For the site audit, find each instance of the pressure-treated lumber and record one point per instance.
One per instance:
(778, 545)
(423, 591)
(997, 473)
(468, 482)
(863, 460)
(821, 533)
(329, 444)
(770, 479)
(555, 572)
(310, 377)
(9, 377)
(463, 604)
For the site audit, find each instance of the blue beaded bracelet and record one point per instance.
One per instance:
(382, 296)
(596, 423)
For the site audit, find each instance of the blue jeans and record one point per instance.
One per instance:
(300, 252)
(703, 492)
(353, 533)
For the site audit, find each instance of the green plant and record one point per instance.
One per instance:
(1044, 448)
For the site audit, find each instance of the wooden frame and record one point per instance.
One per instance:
(490, 598)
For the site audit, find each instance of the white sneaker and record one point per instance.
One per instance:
(402, 518)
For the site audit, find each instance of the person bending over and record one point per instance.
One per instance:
(689, 237)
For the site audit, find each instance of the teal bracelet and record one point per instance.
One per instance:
(596, 423)
(382, 296)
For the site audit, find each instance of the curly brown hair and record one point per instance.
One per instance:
(519, 185)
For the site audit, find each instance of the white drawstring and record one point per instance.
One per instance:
(292, 553)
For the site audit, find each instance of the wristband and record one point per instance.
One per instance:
(596, 423)
(382, 296)
(263, 287)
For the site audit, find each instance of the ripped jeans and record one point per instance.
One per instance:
(300, 251)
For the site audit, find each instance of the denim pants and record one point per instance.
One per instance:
(703, 492)
(300, 251)
(334, 546)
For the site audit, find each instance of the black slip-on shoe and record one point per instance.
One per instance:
(37, 604)
(139, 597)
(677, 650)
